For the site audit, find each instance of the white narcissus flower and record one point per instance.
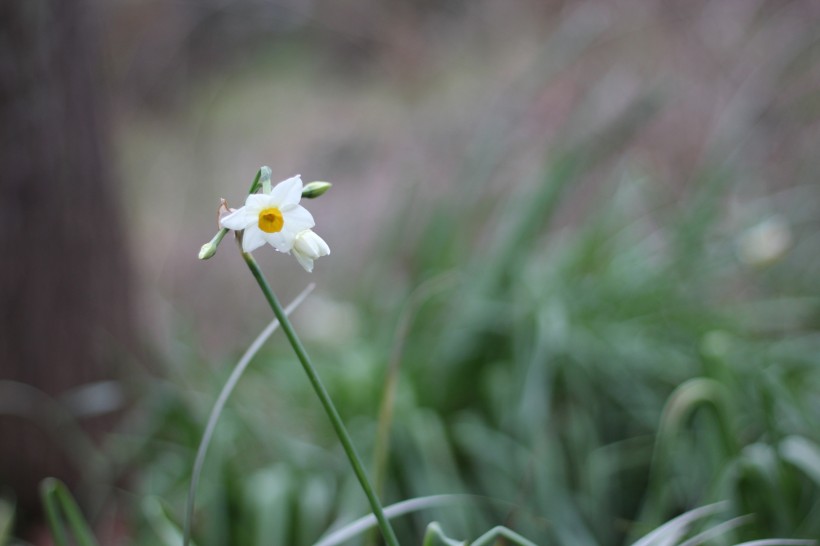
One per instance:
(307, 247)
(766, 242)
(275, 218)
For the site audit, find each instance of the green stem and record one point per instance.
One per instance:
(263, 171)
(327, 403)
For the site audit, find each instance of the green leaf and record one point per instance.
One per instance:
(59, 505)
(7, 512)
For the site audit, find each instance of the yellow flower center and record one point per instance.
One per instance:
(270, 220)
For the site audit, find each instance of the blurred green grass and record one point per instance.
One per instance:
(590, 384)
(597, 354)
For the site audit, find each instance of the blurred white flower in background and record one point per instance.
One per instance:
(328, 321)
(765, 242)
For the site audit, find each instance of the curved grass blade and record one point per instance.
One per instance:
(675, 528)
(166, 530)
(716, 531)
(59, 504)
(220, 405)
(779, 542)
(362, 524)
(489, 538)
(7, 512)
(434, 536)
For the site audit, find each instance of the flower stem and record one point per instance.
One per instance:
(327, 403)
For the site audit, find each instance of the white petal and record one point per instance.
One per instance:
(310, 244)
(281, 241)
(297, 219)
(304, 244)
(287, 192)
(252, 238)
(307, 247)
(304, 261)
(239, 219)
(324, 250)
(259, 201)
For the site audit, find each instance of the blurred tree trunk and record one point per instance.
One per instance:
(65, 312)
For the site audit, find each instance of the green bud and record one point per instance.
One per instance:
(209, 248)
(264, 177)
(315, 189)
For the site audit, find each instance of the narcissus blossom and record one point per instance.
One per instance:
(766, 242)
(275, 218)
(307, 247)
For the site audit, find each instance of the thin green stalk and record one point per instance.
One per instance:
(327, 403)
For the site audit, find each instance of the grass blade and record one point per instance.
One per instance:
(59, 502)
(394, 510)
(676, 527)
(240, 368)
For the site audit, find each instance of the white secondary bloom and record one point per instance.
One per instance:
(766, 242)
(307, 247)
(275, 218)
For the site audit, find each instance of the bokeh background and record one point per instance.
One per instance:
(574, 269)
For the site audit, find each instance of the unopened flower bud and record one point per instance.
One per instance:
(264, 179)
(209, 248)
(315, 189)
(307, 247)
